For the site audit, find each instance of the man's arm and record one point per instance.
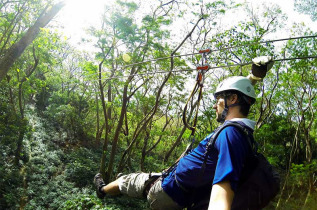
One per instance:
(221, 196)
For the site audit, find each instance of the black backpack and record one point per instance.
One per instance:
(259, 182)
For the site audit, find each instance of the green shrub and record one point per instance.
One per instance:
(82, 166)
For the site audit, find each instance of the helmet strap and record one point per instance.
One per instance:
(226, 109)
(224, 112)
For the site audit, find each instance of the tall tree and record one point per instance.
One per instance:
(11, 54)
(299, 102)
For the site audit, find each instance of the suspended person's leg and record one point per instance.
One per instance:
(112, 188)
(159, 200)
(138, 185)
(99, 183)
(132, 185)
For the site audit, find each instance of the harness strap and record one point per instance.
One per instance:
(153, 178)
(180, 185)
(242, 128)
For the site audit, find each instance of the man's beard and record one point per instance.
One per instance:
(220, 118)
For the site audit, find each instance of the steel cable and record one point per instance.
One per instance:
(186, 70)
(213, 50)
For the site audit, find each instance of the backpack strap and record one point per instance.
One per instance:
(241, 128)
(212, 142)
(213, 139)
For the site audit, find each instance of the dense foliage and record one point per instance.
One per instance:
(66, 114)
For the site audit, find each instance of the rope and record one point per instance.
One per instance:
(193, 127)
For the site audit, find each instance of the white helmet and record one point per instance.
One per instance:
(238, 83)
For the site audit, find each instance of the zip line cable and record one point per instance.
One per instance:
(215, 50)
(264, 42)
(225, 48)
(186, 70)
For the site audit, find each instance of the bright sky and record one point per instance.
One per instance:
(80, 14)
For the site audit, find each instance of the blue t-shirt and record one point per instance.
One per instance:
(224, 163)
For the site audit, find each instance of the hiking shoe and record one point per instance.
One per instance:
(99, 183)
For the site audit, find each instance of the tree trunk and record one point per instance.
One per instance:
(98, 134)
(146, 140)
(145, 121)
(110, 100)
(176, 143)
(18, 151)
(179, 138)
(22, 129)
(23, 122)
(105, 144)
(15, 51)
(117, 132)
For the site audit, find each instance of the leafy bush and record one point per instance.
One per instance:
(90, 201)
(10, 187)
(82, 166)
(300, 173)
(83, 202)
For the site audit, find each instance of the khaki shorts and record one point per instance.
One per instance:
(133, 185)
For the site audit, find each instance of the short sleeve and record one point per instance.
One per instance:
(232, 149)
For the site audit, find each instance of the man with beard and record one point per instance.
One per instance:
(184, 184)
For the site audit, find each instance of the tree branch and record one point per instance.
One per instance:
(18, 48)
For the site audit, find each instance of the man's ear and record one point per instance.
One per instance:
(234, 98)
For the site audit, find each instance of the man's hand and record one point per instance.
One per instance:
(261, 65)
